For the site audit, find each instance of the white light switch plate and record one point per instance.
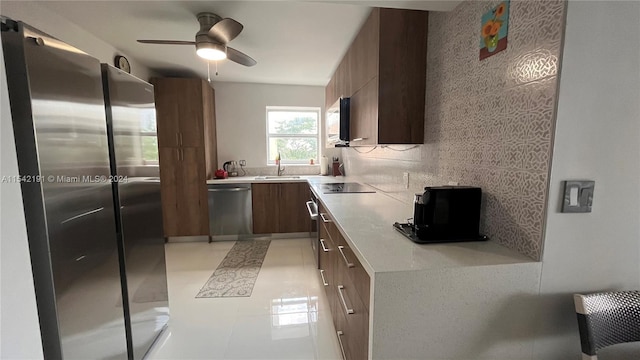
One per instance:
(578, 196)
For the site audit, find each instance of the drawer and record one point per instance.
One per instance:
(327, 262)
(345, 337)
(352, 318)
(353, 269)
(325, 219)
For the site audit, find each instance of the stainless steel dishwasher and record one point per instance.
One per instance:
(230, 216)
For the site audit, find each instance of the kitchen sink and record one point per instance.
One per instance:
(276, 177)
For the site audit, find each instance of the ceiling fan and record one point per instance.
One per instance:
(211, 41)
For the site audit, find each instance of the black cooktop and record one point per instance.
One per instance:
(349, 187)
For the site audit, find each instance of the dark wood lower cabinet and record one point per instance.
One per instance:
(264, 201)
(185, 209)
(356, 315)
(294, 216)
(280, 207)
(340, 272)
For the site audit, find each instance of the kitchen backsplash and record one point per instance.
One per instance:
(488, 123)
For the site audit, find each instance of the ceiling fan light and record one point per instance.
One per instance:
(211, 51)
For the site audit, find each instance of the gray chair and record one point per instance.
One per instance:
(607, 318)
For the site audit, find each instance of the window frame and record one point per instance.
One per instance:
(148, 113)
(269, 135)
(149, 134)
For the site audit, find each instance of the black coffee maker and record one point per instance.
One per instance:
(445, 214)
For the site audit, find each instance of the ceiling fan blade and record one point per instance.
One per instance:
(167, 42)
(225, 30)
(239, 57)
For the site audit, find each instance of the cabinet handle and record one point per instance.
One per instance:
(178, 154)
(324, 248)
(213, 188)
(324, 282)
(180, 139)
(181, 154)
(340, 333)
(344, 303)
(349, 265)
(312, 214)
(324, 219)
(359, 139)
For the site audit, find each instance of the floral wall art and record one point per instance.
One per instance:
(495, 25)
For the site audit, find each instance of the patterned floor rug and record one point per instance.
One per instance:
(238, 272)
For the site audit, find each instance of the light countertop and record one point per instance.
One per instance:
(261, 179)
(366, 221)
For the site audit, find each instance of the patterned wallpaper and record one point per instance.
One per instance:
(488, 123)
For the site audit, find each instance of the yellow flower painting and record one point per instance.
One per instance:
(493, 36)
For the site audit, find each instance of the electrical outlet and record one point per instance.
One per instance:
(405, 179)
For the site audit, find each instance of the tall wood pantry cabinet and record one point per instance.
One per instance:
(185, 112)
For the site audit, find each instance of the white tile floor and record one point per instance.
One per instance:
(286, 317)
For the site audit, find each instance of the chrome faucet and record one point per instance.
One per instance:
(280, 169)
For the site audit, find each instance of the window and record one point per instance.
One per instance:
(149, 138)
(293, 131)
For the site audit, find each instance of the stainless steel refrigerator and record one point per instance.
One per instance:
(131, 126)
(76, 247)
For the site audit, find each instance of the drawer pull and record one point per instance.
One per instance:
(340, 333)
(324, 219)
(324, 282)
(312, 214)
(344, 303)
(324, 247)
(349, 265)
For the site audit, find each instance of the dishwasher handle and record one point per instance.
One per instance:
(314, 216)
(229, 189)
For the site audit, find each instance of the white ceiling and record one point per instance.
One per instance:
(294, 42)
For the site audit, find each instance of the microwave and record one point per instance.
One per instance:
(448, 213)
(337, 123)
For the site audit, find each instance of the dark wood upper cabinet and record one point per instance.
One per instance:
(167, 113)
(364, 114)
(364, 52)
(330, 94)
(402, 76)
(386, 78)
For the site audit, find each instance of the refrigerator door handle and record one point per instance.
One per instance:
(82, 215)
